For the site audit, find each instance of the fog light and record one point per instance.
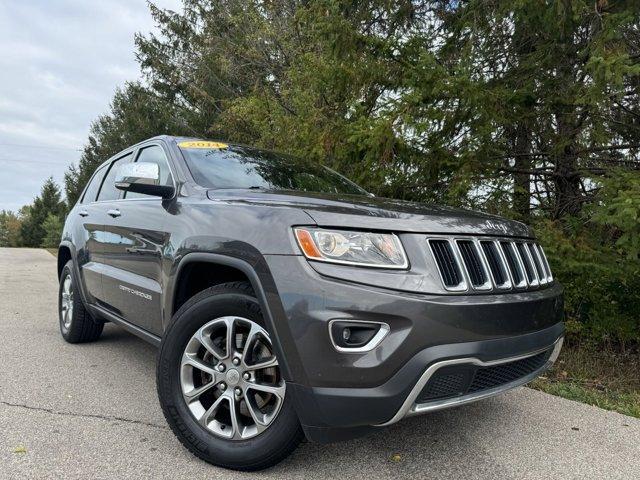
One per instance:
(356, 336)
(346, 334)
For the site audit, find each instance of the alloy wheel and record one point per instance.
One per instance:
(66, 303)
(230, 378)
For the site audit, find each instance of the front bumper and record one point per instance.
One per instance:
(341, 395)
(453, 394)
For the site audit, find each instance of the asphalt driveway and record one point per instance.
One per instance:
(90, 411)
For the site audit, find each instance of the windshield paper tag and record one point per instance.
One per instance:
(202, 144)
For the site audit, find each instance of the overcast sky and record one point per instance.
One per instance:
(60, 63)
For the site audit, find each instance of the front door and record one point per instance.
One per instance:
(135, 225)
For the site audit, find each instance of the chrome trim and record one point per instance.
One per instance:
(546, 263)
(487, 285)
(531, 283)
(409, 407)
(534, 250)
(370, 345)
(463, 285)
(516, 254)
(508, 285)
(523, 283)
(530, 247)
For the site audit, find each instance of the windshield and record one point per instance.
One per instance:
(243, 167)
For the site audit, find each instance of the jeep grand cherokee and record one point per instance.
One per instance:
(289, 302)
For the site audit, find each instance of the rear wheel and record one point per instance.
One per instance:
(220, 384)
(76, 323)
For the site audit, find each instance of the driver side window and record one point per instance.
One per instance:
(108, 191)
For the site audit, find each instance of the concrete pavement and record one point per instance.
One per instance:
(90, 411)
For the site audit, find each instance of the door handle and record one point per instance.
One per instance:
(114, 213)
(83, 213)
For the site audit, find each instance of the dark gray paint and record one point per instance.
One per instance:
(147, 246)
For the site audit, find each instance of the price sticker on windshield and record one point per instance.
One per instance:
(203, 144)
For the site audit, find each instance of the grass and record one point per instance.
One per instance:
(596, 376)
(52, 251)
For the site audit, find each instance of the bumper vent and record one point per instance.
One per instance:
(464, 379)
(485, 264)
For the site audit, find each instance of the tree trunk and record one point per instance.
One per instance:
(522, 179)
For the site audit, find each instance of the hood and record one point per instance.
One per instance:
(376, 213)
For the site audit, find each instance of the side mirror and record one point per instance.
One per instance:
(142, 177)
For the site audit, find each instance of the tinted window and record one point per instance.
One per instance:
(92, 190)
(109, 190)
(154, 154)
(244, 167)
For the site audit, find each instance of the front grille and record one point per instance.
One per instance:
(526, 261)
(512, 261)
(447, 264)
(465, 379)
(496, 265)
(472, 263)
(486, 264)
(537, 263)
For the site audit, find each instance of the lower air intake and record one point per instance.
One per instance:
(464, 379)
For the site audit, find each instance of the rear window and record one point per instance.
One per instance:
(92, 189)
(245, 167)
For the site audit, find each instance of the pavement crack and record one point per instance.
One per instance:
(109, 418)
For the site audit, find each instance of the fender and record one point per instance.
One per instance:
(272, 311)
(76, 268)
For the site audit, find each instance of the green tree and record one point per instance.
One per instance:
(529, 109)
(505, 106)
(52, 226)
(49, 202)
(9, 229)
(136, 114)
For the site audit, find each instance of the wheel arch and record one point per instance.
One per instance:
(64, 255)
(261, 291)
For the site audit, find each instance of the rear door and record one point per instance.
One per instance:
(88, 238)
(137, 225)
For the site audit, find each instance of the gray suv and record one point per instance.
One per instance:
(287, 302)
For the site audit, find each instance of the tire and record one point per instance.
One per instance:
(76, 323)
(209, 315)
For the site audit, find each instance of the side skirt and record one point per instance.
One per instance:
(130, 327)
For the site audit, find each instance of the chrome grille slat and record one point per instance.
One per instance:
(527, 263)
(486, 264)
(543, 256)
(537, 263)
(447, 264)
(514, 264)
(473, 265)
(490, 250)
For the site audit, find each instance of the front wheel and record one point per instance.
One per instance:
(220, 385)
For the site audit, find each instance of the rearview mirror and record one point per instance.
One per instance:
(142, 177)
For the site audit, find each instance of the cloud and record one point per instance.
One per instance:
(61, 63)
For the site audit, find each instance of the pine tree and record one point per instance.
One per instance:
(136, 114)
(52, 226)
(49, 202)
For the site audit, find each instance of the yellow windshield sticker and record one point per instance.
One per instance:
(202, 144)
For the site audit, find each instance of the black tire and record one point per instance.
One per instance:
(259, 452)
(81, 326)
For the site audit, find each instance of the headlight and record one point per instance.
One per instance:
(382, 250)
